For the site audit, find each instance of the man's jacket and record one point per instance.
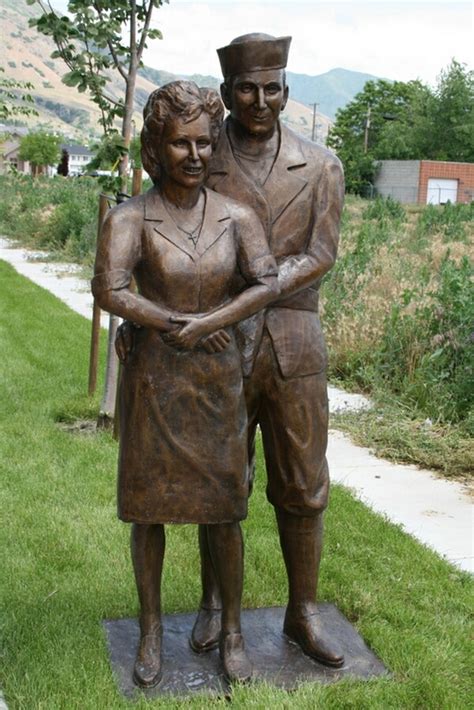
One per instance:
(300, 207)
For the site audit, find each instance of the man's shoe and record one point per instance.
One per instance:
(310, 636)
(237, 666)
(206, 630)
(147, 669)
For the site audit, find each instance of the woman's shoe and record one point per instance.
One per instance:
(237, 665)
(147, 669)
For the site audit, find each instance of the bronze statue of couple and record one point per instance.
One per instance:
(228, 250)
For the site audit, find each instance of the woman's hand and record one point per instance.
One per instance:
(193, 328)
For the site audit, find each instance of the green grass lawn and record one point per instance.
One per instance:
(65, 562)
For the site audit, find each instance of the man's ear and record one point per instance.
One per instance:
(226, 96)
(286, 93)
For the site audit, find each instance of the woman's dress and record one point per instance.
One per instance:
(183, 422)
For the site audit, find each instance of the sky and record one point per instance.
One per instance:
(397, 40)
(400, 40)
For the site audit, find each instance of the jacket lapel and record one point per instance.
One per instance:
(155, 212)
(227, 177)
(216, 221)
(284, 183)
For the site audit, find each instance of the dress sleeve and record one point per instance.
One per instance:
(256, 262)
(118, 250)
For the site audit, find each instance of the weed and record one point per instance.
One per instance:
(384, 208)
(400, 318)
(449, 220)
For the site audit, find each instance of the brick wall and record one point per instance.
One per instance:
(462, 172)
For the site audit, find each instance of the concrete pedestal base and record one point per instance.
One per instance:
(276, 660)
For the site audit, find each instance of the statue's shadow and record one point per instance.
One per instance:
(276, 660)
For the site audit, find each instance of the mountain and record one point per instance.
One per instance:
(331, 90)
(26, 56)
(296, 115)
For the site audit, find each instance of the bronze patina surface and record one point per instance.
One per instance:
(183, 418)
(297, 190)
(275, 659)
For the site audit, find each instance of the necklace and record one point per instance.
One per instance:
(192, 230)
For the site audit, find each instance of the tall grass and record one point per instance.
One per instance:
(399, 307)
(56, 214)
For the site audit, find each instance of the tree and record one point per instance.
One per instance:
(99, 38)
(405, 121)
(136, 152)
(13, 99)
(386, 120)
(63, 167)
(40, 148)
(453, 114)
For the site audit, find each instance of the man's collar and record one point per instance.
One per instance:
(289, 156)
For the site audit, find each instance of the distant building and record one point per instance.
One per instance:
(425, 181)
(10, 138)
(79, 156)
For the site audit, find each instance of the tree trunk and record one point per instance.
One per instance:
(127, 121)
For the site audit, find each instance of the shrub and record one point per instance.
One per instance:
(383, 208)
(449, 220)
(426, 353)
(57, 214)
(400, 320)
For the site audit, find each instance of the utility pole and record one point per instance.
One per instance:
(313, 132)
(367, 127)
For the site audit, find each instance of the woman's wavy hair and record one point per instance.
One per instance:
(183, 99)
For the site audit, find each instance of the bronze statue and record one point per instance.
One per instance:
(183, 423)
(297, 189)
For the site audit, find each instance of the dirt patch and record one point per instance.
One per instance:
(80, 426)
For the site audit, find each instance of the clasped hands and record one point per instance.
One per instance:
(190, 331)
(193, 331)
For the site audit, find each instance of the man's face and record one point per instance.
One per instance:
(255, 99)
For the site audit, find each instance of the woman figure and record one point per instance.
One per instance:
(182, 413)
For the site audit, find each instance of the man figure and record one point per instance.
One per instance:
(297, 189)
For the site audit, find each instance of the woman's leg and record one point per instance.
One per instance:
(207, 627)
(226, 547)
(148, 549)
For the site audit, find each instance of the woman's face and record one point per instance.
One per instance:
(185, 150)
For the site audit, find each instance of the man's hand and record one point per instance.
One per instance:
(124, 340)
(216, 342)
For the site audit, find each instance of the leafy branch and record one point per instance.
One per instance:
(13, 99)
(94, 40)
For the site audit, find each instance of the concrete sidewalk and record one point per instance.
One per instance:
(437, 512)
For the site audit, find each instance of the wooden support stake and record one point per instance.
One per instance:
(95, 334)
(137, 181)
